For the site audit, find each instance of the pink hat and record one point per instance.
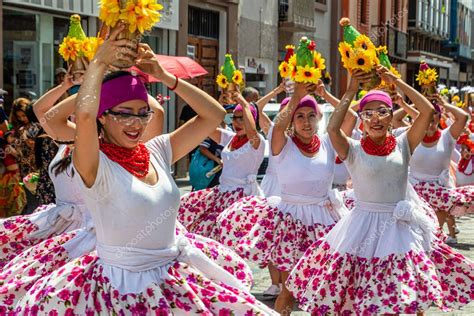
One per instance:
(252, 109)
(119, 90)
(306, 101)
(375, 95)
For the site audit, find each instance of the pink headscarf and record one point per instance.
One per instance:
(375, 95)
(120, 90)
(252, 109)
(306, 101)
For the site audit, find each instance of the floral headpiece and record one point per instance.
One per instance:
(140, 15)
(76, 44)
(466, 141)
(426, 75)
(229, 74)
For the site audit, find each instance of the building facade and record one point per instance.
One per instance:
(32, 30)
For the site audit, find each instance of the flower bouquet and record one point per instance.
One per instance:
(305, 65)
(427, 78)
(358, 52)
(77, 49)
(31, 182)
(230, 78)
(138, 15)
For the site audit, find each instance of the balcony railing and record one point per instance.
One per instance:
(296, 15)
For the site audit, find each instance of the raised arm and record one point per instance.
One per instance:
(283, 120)
(460, 118)
(336, 134)
(263, 119)
(86, 152)
(209, 112)
(418, 130)
(326, 95)
(249, 123)
(400, 114)
(47, 101)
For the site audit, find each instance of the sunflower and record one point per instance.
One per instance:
(307, 74)
(346, 53)
(69, 48)
(319, 61)
(382, 49)
(363, 42)
(94, 43)
(237, 78)
(109, 12)
(284, 69)
(394, 71)
(222, 81)
(455, 99)
(426, 77)
(362, 60)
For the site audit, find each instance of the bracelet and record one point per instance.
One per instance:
(175, 84)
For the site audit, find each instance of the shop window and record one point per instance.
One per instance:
(321, 5)
(203, 23)
(363, 11)
(20, 54)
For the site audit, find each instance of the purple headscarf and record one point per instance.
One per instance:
(120, 90)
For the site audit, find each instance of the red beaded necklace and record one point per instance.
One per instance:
(462, 165)
(371, 148)
(311, 148)
(238, 141)
(431, 139)
(136, 161)
(338, 160)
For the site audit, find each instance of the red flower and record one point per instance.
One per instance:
(312, 45)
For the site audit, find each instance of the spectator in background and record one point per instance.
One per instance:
(251, 94)
(3, 115)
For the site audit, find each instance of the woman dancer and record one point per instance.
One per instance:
(465, 168)
(382, 258)
(132, 275)
(242, 155)
(278, 231)
(429, 169)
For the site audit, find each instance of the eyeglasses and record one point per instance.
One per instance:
(128, 119)
(369, 114)
(238, 118)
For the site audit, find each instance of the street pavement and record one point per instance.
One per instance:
(465, 246)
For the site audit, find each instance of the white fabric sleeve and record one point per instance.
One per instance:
(404, 145)
(160, 147)
(354, 145)
(226, 136)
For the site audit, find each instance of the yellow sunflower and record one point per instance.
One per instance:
(284, 69)
(362, 60)
(237, 78)
(395, 72)
(222, 81)
(346, 53)
(69, 48)
(456, 99)
(307, 74)
(109, 12)
(363, 42)
(426, 77)
(319, 61)
(382, 49)
(94, 43)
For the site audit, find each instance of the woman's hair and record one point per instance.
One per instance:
(20, 104)
(115, 74)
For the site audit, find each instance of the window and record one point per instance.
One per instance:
(321, 5)
(363, 11)
(203, 23)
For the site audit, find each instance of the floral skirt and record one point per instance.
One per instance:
(39, 261)
(17, 233)
(261, 233)
(81, 288)
(199, 210)
(457, 201)
(338, 274)
(12, 195)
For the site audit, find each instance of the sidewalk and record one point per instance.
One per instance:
(465, 246)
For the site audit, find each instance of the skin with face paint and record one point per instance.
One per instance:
(377, 128)
(119, 134)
